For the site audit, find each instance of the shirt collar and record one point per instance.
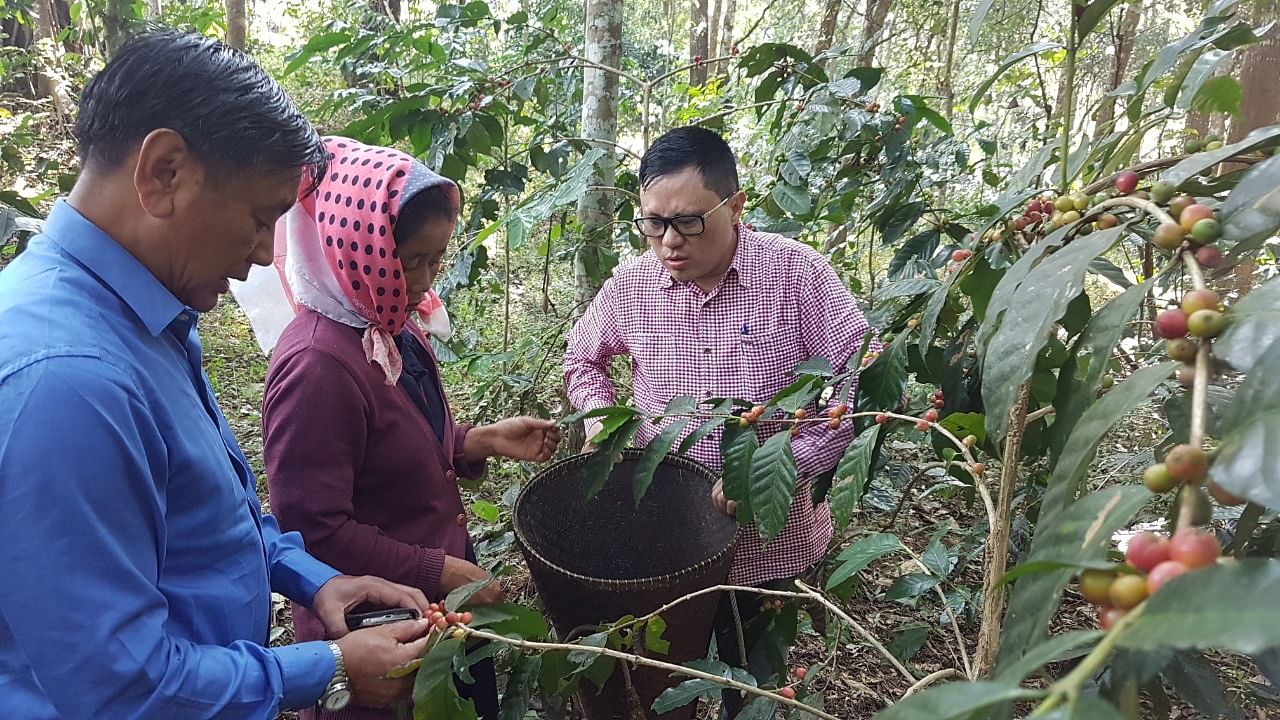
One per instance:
(119, 270)
(741, 268)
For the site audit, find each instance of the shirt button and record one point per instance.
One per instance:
(462, 520)
(450, 476)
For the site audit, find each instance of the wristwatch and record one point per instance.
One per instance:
(338, 694)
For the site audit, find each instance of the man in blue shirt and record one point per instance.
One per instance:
(138, 564)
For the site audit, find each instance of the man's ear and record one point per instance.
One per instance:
(165, 169)
(736, 204)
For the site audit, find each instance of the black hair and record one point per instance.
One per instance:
(692, 146)
(231, 114)
(434, 203)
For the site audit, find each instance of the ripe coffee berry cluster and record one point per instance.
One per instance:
(751, 417)
(442, 618)
(1151, 560)
(1200, 315)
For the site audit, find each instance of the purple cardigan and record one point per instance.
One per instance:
(353, 465)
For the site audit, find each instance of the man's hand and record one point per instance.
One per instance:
(727, 506)
(591, 429)
(372, 653)
(524, 438)
(343, 593)
(458, 572)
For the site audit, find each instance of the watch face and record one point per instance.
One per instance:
(336, 698)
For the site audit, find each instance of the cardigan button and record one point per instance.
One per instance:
(462, 520)
(451, 476)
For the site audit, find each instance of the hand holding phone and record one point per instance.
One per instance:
(374, 618)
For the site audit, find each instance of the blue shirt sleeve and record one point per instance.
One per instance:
(294, 572)
(83, 470)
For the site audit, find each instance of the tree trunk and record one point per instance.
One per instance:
(1259, 65)
(873, 24)
(154, 9)
(237, 24)
(729, 8)
(714, 8)
(113, 24)
(1124, 40)
(949, 70)
(599, 122)
(827, 31)
(47, 27)
(698, 40)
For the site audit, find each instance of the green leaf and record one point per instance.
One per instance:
(935, 558)
(1248, 458)
(599, 466)
(486, 511)
(979, 14)
(929, 320)
(773, 484)
(1094, 423)
(1091, 16)
(798, 394)
(459, 596)
(680, 405)
(908, 641)
(707, 427)
(1033, 567)
(1251, 213)
(792, 199)
(911, 586)
(1197, 682)
(893, 224)
(1100, 338)
(1202, 161)
(1007, 288)
(1254, 325)
(796, 168)
(860, 554)
(654, 452)
(507, 618)
(521, 684)
(851, 476)
(1010, 61)
(884, 380)
(614, 414)
(1193, 603)
(1080, 533)
(1040, 300)
(1204, 67)
(316, 45)
(819, 366)
(685, 693)
(434, 693)
(1051, 650)
(955, 701)
(736, 449)
(961, 424)
(653, 631)
(1085, 707)
(1221, 94)
(920, 247)
(539, 205)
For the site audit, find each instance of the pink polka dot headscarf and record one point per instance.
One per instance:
(355, 277)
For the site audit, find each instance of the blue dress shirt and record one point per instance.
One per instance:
(136, 566)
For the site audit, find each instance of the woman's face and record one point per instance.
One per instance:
(422, 255)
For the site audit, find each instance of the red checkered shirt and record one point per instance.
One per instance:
(780, 303)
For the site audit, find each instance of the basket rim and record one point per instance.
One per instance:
(670, 458)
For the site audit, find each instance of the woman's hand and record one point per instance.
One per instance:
(519, 438)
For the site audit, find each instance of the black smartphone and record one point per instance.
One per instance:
(360, 620)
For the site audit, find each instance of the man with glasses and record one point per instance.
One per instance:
(715, 309)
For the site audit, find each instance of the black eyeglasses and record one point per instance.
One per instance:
(687, 225)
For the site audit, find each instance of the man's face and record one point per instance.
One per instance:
(221, 226)
(702, 258)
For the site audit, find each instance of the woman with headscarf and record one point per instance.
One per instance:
(362, 452)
